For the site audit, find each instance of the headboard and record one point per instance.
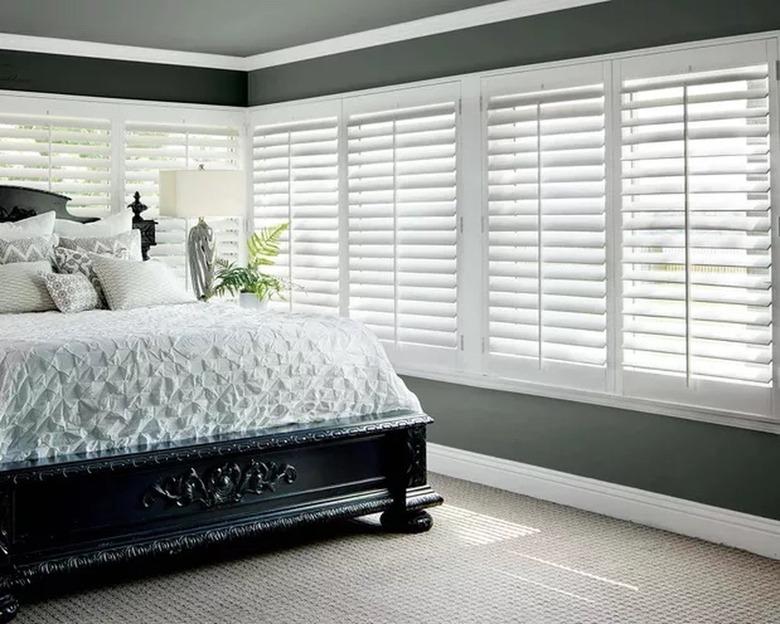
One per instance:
(18, 202)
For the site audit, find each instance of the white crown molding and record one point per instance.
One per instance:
(714, 524)
(445, 22)
(91, 49)
(424, 27)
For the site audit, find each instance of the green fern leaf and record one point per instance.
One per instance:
(263, 245)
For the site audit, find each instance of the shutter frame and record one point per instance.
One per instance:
(402, 203)
(296, 179)
(545, 178)
(724, 358)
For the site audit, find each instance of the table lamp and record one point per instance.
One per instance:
(202, 193)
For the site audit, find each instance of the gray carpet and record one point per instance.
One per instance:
(491, 557)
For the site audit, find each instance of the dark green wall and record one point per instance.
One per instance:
(722, 466)
(596, 29)
(72, 75)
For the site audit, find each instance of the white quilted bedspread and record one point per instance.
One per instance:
(104, 379)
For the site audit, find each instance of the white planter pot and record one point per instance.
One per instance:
(251, 302)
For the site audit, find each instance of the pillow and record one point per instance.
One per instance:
(73, 261)
(24, 288)
(128, 284)
(71, 292)
(26, 249)
(112, 225)
(39, 225)
(107, 244)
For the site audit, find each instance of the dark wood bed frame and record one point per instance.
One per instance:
(85, 512)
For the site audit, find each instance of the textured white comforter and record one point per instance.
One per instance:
(115, 379)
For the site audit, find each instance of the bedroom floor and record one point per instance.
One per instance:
(492, 557)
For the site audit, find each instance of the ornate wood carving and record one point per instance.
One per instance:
(14, 214)
(19, 202)
(5, 524)
(415, 442)
(148, 229)
(26, 574)
(9, 606)
(222, 485)
(204, 451)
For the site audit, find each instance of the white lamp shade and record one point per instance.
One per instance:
(202, 193)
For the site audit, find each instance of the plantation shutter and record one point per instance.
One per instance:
(546, 257)
(697, 283)
(295, 178)
(402, 185)
(152, 147)
(69, 156)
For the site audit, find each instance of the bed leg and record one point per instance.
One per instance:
(410, 470)
(411, 521)
(9, 605)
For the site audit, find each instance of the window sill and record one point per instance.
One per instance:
(689, 412)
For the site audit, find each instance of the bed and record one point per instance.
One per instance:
(140, 434)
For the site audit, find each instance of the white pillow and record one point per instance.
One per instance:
(130, 284)
(107, 226)
(32, 227)
(24, 287)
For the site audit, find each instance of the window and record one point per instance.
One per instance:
(150, 147)
(402, 209)
(295, 180)
(546, 228)
(71, 156)
(696, 227)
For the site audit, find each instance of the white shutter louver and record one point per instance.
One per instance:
(70, 156)
(295, 180)
(402, 185)
(697, 283)
(151, 147)
(546, 201)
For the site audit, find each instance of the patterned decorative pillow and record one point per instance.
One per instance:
(26, 249)
(24, 288)
(72, 292)
(73, 261)
(128, 284)
(131, 241)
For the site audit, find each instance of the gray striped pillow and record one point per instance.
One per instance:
(24, 287)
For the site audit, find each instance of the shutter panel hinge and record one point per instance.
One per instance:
(483, 345)
(461, 342)
(461, 225)
(777, 70)
(481, 102)
(460, 106)
(482, 224)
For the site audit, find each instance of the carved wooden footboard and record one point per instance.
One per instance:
(111, 508)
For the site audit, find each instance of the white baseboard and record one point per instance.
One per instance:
(722, 526)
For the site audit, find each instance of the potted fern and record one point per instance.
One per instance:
(253, 287)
